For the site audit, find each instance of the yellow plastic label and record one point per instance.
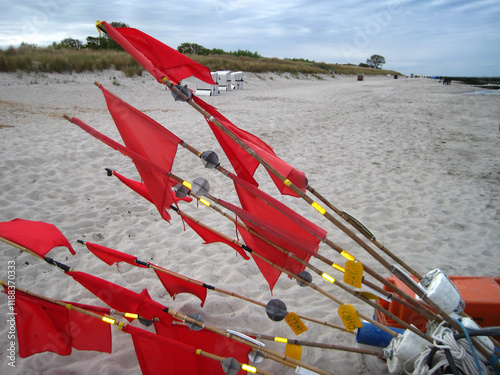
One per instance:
(281, 339)
(248, 368)
(205, 202)
(353, 273)
(295, 323)
(349, 317)
(293, 351)
(318, 208)
(287, 182)
(187, 184)
(130, 315)
(346, 255)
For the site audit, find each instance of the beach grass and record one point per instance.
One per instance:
(28, 58)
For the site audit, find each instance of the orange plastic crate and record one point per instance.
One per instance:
(480, 294)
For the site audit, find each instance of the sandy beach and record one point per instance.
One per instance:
(416, 161)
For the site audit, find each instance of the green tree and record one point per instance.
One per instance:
(96, 42)
(193, 48)
(376, 61)
(70, 43)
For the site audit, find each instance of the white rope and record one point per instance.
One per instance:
(460, 351)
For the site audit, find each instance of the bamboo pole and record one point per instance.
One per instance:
(229, 293)
(108, 319)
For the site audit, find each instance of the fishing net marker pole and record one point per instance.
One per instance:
(180, 94)
(215, 163)
(121, 325)
(290, 362)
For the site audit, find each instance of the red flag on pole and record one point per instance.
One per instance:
(159, 354)
(43, 326)
(243, 163)
(140, 188)
(157, 58)
(117, 297)
(36, 236)
(111, 256)
(211, 237)
(175, 285)
(155, 177)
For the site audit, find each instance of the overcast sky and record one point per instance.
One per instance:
(429, 37)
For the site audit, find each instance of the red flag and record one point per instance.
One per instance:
(119, 298)
(44, 326)
(36, 236)
(175, 285)
(157, 58)
(111, 256)
(160, 355)
(155, 177)
(263, 205)
(211, 237)
(215, 344)
(140, 188)
(243, 163)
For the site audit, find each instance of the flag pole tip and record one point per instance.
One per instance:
(67, 118)
(81, 241)
(97, 84)
(109, 171)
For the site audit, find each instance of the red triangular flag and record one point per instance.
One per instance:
(111, 256)
(157, 58)
(155, 177)
(117, 297)
(243, 163)
(36, 236)
(161, 355)
(175, 285)
(140, 188)
(44, 326)
(211, 237)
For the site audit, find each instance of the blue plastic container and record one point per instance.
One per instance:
(370, 334)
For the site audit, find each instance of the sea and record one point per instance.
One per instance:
(488, 85)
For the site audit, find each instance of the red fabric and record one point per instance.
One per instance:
(162, 355)
(140, 188)
(175, 285)
(214, 343)
(111, 256)
(263, 205)
(119, 298)
(36, 236)
(211, 237)
(43, 326)
(243, 163)
(157, 58)
(155, 177)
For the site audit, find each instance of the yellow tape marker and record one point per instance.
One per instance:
(338, 267)
(318, 208)
(69, 306)
(130, 315)
(108, 320)
(327, 277)
(287, 182)
(295, 323)
(205, 202)
(248, 368)
(121, 325)
(353, 273)
(346, 255)
(281, 339)
(349, 317)
(198, 351)
(187, 184)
